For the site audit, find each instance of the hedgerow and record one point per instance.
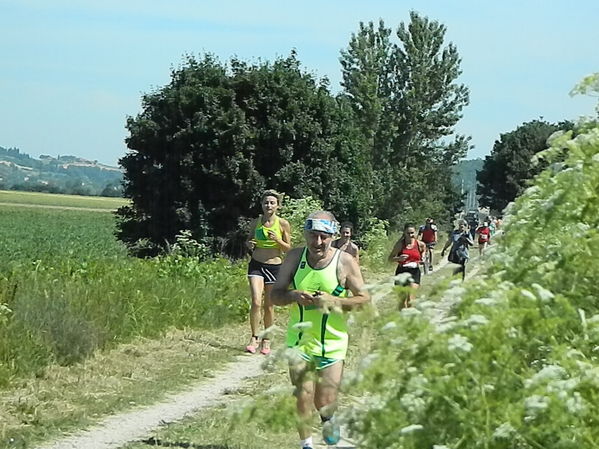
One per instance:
(511, 361)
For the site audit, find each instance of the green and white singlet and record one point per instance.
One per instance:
(319, 334)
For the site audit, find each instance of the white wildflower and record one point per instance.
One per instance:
(375, 402)
(575, 403)
(390, 325)
(487, 301)
(574, 353)
(417, 384)
(459, 342)
(528, 295)
(489, 387)
(543, 294)
(506, 430)
(412, 403)
(369, 360)
(476, 320)
(593, 320)
(403, 278)
(547, 373)
(535, 404)
(425, 305)
(440, 446)
(446, 326)
(512, 332)
(411, 428)
(302, 325)
(532, 190)
(453, 293)
(562, 387)
(410, 311)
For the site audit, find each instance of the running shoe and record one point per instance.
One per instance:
(265, 347)
(253, 346)
(331, 433)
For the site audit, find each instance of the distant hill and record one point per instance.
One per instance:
(64, 174)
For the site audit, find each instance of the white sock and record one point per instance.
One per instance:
(306, 443)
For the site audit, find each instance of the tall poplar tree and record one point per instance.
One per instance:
(407, 101)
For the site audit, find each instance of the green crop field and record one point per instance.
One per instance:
(68, 287)
(55, 200)
(30, 234)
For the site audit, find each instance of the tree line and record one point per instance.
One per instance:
(206, 145)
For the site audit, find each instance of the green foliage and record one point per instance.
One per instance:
(295, 212)
(209, 143)
(375, 242)
(508, 169)
(406, 102)
(68, 289)
(512, 363)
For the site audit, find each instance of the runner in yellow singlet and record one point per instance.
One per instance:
(269, 238)
(316, 281)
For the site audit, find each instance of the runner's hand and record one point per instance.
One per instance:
(273, 236)
(401, 258)
(327, 302)
(303, 298)
(251, 244)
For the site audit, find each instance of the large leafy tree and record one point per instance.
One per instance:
(407, 101)
(207, 144)
(508, 169)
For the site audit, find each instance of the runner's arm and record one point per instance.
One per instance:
(349, 274)
(281, 295)
(250, 243)
(447, 245)
(393, 257)
(285, 242)
(421, 248)
(354, 282)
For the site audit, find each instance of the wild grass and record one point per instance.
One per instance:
(67, 398)
(67, 289)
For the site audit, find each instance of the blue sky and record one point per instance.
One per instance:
(72, 71)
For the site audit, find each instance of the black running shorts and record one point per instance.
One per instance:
(264, 270)
(415, 272)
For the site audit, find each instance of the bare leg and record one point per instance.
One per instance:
(256, 289)
(304, 393)
(327, 387)
(269, 308)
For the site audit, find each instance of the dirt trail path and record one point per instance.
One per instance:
(117, 430)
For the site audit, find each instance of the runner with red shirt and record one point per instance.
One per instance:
(484, 237)
(428, 234)
(408, 252)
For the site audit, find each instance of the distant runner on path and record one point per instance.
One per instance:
(428, 234)
(344, 243)
(315, 281)
(460, 241)
(408, 253)
(270, 237)
(484, 238)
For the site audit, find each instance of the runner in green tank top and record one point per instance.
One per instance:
(315, 282)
